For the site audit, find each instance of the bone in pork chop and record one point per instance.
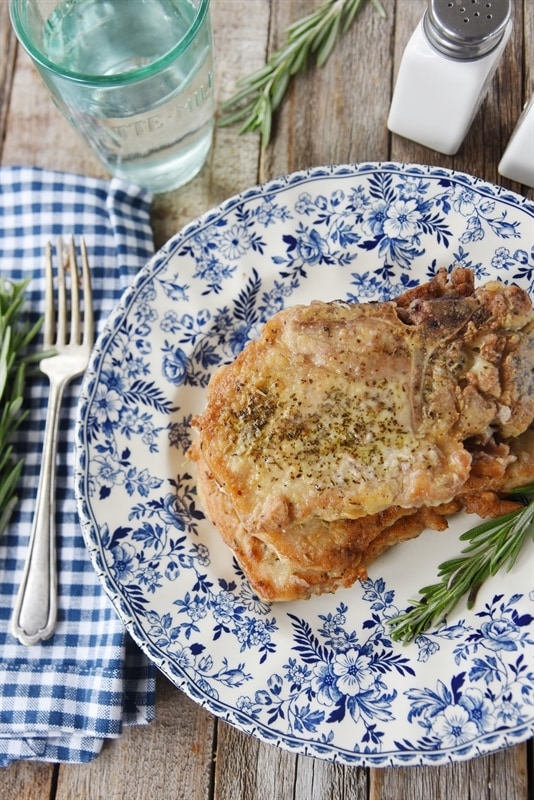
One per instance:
(346, 428)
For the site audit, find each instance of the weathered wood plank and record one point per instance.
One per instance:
(335, 114)
(170, 759)
(322, 780)
(37, 134)
(244, 764)
(7, 66)
(248, 768)
(25, 780)
(500, 776)
(240, 29)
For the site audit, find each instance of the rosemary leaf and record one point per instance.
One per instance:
(266, 118)
(16, 334)
(258, 96)
(327, 43)
(300, 61)
(494, 544)
(279, 89)
(351, 13)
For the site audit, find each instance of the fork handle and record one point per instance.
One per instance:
(35, 613)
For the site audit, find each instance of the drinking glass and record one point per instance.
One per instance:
(135, 79)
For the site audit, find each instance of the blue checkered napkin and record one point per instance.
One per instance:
(61, 698)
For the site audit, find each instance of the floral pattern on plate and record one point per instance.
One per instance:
(321, 677)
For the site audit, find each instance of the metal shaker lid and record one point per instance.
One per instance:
(466, 29)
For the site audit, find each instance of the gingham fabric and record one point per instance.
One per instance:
(61, 698)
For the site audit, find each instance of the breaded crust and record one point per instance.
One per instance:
(347, 428)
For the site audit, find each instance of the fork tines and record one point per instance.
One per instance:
(66, 262)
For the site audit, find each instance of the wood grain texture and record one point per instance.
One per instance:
(173, 761)
(28, 781)
(8, 49)
(248, 768)
(349, 95)
(500, 775)
(37, 133)
(240, 31)
(332, 115)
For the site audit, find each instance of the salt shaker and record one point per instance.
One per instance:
(446, 69)
(517, 162)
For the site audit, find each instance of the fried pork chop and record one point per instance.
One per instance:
(346, 428)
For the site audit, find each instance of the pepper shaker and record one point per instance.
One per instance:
(446, 70)
(517, 162)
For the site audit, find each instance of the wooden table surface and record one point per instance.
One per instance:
(333, 115)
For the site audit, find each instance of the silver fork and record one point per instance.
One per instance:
(35, 613)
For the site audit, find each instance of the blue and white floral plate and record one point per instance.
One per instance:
(319, 677)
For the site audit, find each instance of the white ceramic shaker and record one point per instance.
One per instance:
(517, 162)
(446, 70)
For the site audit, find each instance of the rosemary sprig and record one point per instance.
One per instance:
(492, 544)
(259, 95)
(15, 336)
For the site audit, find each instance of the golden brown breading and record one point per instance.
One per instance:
(347, 428)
